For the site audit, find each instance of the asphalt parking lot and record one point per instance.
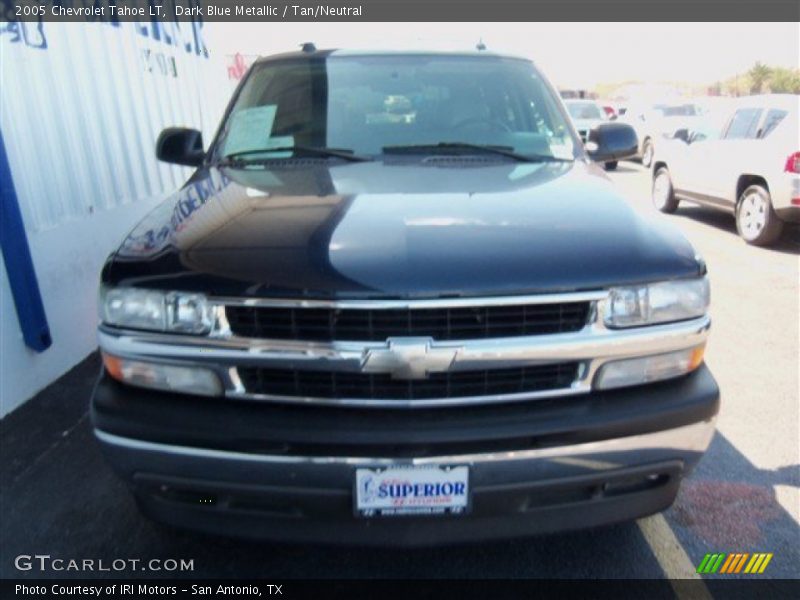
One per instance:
(59, 498)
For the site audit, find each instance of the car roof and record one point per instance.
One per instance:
(783, 101)
(338, 52)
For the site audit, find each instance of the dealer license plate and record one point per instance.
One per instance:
(412, 490)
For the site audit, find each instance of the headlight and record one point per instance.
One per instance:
(157, 311)
(188, 313)
(657, 303)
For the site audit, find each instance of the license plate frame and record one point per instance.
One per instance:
(417, 494)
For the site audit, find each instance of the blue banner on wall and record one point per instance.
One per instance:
(19, 264)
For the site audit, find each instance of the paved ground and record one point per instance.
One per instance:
(59, 498)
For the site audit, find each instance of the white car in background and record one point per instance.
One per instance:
(747, 164)
(586, 115)
(651, 122)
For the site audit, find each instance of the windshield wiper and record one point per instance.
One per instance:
(241, 158)
(485, 148)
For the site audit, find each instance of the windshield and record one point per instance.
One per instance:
(683, 110)
(584, 110)
(364, 104)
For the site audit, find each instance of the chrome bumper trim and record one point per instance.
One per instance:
(593, 342)
(690, 438)
(578, 387)
(413, 303)
(592, 347)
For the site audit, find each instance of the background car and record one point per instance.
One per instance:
(748, 166)
(586, 115)
(651, 122)
(612, 108)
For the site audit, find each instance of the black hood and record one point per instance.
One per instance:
(398, 228)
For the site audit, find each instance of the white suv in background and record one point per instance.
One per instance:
(651, 122)
(750, 166)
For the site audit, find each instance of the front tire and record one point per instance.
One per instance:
(611, 165)
(647, 153)
(663, 194)
(756, 220)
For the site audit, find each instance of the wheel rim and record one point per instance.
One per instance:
(648, 153)
(661, 188)
(752, 215)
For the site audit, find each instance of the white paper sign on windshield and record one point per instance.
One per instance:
(250, 131)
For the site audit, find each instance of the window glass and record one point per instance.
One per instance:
(365, 103)
(773, 118)
(584, 110)
(744, 124)
(683, 110)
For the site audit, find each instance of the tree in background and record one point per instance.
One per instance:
(759, 79)
(759, 75)
(784, 81)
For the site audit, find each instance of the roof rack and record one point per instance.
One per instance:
(308, 47)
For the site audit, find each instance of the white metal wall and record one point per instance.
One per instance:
(81, 105)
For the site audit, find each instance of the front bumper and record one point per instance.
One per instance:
(281, 472)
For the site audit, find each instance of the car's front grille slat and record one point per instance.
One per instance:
(449, 323)
(377, 386)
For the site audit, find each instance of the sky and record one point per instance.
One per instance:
(578, 55)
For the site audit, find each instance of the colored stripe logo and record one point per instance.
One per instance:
(737, 562)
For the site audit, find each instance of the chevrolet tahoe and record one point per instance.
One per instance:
(398, 303)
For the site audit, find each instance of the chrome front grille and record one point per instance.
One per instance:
(295, 383)
(445, 323)
(406, 353)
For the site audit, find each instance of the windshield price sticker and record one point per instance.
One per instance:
(250, 129)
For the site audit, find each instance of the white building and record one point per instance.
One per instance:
(81, 105)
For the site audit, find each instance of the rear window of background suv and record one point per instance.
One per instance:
(745, 121)
(743, 124)
(772, 120)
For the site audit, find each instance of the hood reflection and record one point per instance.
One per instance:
(302, 227)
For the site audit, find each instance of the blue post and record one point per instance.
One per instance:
(19, 264)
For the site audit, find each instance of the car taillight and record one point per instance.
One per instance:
(793, 163)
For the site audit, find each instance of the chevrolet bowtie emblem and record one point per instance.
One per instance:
(409, 358)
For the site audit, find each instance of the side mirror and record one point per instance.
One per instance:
(180, 146)
(612, 141)
(681, 134)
